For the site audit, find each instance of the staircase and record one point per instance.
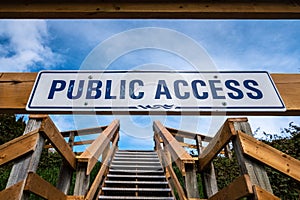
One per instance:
(136, 175)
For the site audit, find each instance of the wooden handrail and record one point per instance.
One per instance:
(178, 153)
(93, 152)
(16, 148)
(269, 156)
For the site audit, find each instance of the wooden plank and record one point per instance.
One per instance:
(84, 142)
(254, 169)
(57, 140)
(93, 152)
(178, 153)
(105, 164)
(42, 188)
(16, 87)
(18, 147)
(261, 194)
(208, 175)
(75, 197)
(13, 192)
(186, 134)
(240, 187)
(30, 161)
(151, 9)
(223, 136)
(190, 180)
(270, 156)
(192, 146)
(87, 131)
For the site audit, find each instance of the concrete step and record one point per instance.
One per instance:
(137, 182)
(137, 171)
(150, 162)
(136, 176)
(134, 166)
(136, 189)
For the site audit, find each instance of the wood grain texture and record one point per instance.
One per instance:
(93, 152)
(13, 192)
(57, 140)
(286, 9)
(270, 156)
(18, 147)
(42, 188)
(240, 187)
(221, 139)
(187, 134)
(261, 194)
(15, 89)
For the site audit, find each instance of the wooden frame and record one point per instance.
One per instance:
(261, 9)
(16, 88)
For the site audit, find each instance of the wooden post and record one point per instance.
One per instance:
(82, 180)
(208, 175)
(28, 162)
(66, 172)
(190, 178)
(257, 172)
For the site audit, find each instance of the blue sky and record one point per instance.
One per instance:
(33, 45)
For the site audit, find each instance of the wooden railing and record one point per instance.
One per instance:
(251, 154)
(26, 150)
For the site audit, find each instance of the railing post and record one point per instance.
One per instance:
(66, 171)
(208, 175)
(190, 178)
(30, 161)
(82, 180)
(257, 172)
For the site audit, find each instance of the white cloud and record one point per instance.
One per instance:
(24, 46)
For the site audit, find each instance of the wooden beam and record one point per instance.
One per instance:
(178, 153)
(240, 187)
(261, 194)
(261, 9)
(105, 164)
(93, 152)
(16, 87)
(13, 192)
(82, 132)
(270, 156)
(186, 134)
(74, 144)
(221, 139)
(42, 188)
(18, 147)
(52, 133)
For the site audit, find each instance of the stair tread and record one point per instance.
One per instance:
(134, 175)
(124, 162)
(136, 171)
(138, 182)
(134, 197)
(136, 189)
(136, 166)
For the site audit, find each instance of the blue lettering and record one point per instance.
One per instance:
(122, 89)
(131, 89)
(176, 89)
(214, 89)
(92, 89)
(108, 90)
(71, 88)
(57, 85)
(162, 90)
(230, 85)
(258, 94)
(195, 89)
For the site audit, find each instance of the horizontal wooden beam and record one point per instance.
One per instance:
(16, 87)
(40, 187)
(186, 134)
(144, 9)
(13, 192)
(86, 131)
(240, 187)
(18, 147)
(270, 156)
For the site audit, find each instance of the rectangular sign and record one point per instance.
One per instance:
(178, 91)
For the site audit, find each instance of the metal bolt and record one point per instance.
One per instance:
(224, 104)
(85, 103)
(90, 77)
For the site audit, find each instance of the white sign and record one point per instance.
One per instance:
(179, 91)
